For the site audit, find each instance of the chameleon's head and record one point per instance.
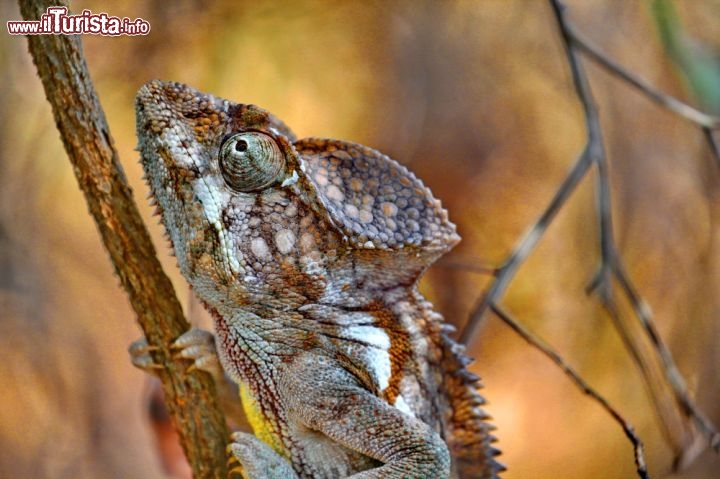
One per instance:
(249, 207)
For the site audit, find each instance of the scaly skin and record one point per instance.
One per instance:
(307, 253)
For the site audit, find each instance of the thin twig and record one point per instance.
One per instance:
(707, 121)
(611, 263)
(611, 268)
(653, 377)
(663, 99)
(555, 357)
(596, 146)
(525, 246)
(673, 375)
(602, 283)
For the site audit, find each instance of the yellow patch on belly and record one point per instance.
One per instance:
(261, 426)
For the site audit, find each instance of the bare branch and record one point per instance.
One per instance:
(506, 272)
(190, 397)
(555, 357)
(611, 265)
(666, 101)
(611, 268)
(707, 121)
(674, 377)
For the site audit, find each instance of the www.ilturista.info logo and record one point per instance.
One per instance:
(57, 22)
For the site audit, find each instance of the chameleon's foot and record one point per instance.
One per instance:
(140, 356)
(195, 344)
(198, 345)
(251, 458)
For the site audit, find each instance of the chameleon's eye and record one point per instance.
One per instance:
(251, 161)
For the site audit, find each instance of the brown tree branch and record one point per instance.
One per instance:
(666, 101)
(555, 357)
(505, 273)
(706, 121)
(190, 397)
(657, 365)
(612, 269)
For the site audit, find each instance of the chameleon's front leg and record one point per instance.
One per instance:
(326, 398)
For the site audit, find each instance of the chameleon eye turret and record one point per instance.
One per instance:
(250, 161)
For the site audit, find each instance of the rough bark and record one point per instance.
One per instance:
(190, 397)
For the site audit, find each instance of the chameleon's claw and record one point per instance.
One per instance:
(253, 459)
(233, 465)
(238, 470)
(194, 337)
(140, 355)
(198, 346)
(141, 345)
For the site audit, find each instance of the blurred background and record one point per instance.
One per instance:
(476, 98)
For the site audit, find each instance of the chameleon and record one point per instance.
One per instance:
(307, 253)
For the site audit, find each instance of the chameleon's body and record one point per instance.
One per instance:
(307, 253)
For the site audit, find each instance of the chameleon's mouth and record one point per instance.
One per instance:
(173, 119)
(147, 101)
(166, 160)
(162, 106)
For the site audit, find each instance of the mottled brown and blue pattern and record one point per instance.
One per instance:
(307, 253)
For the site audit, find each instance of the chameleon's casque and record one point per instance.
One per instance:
(307, 253)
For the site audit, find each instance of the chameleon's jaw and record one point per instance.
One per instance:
(177, 148)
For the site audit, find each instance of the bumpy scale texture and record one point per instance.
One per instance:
(307, 253)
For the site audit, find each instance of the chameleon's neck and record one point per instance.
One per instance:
(247, 333)
(370, 329)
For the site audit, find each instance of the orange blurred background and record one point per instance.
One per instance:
(476, 98)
